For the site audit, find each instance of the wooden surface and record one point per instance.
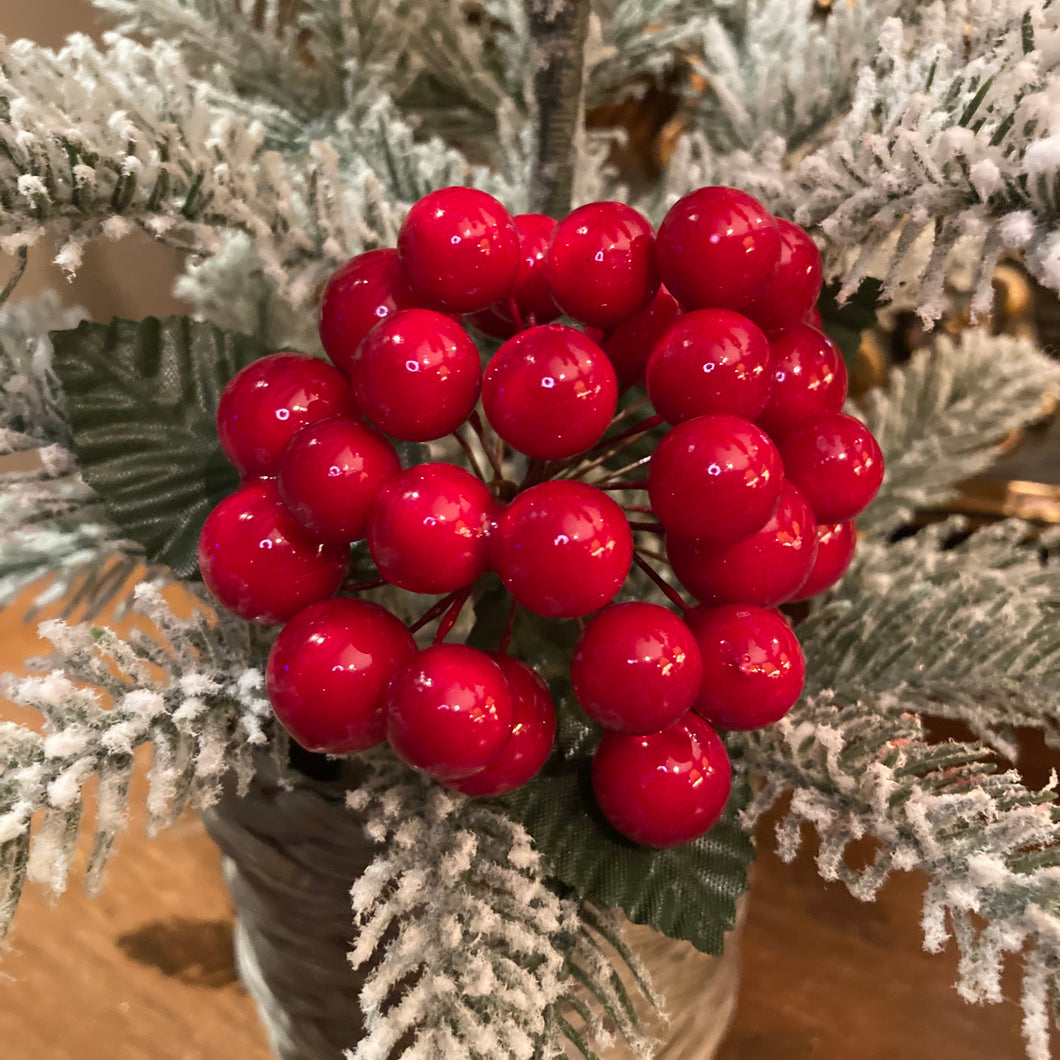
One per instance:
(145, 972)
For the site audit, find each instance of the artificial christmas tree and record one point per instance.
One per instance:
(914, 142)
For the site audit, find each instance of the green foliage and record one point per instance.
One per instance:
(845, 321)
(141, 398)
(687, 892)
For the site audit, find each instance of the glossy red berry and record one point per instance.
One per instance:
(793, 289)
(330, 475)
(550, 392)
(753, 666)
(709, 361)
(327, 672)
(809, 376)
(259, 563)
(448, 711)
(835, 549)
(269, 401)
(813, 318)
(664, 788)
(715, 477)
(630, 344)
(562, 549)
(362, 292)
(460, 250)
(417, 375)
(530, 298)
(765, 569)
(528, 746)
(835, 461)
(717, 247)
(429, 528)
(600, 265)
(636, 668)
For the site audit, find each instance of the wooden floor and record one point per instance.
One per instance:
(145, 971)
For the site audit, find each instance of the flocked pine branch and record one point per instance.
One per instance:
(941, 418)
(937, 140)
(203, 720)
(465, 946)
(919, 628)
(96, 142)
(972, 635)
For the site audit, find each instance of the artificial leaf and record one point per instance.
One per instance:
(687, 892)
(845, 323)
(141, 398)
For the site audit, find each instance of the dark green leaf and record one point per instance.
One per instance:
(687, 892)
(141, 398)
(845, 323)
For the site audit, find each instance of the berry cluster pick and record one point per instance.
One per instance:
(751, 491)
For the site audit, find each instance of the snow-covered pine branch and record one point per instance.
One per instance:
(972, 634)
(464, 947)
(203, 721)
(99, 141)
(935, 139)
(941, 418)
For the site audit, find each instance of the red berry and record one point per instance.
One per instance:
(715, 477)
(417, 375)
(629, 346)
(269, 401)
(636, 668)
(528, 746)
(563, 549)
(809, 376)
(717, 247)
(460, 249)
(835, 549)
(448, 711)
(362, 292)
(331, 474)
(429, 527)
(813, 318)
(327, 672)
(765, 569)
(753, 667)
(259, 563)
(793, 289)
(835, 461)
(600, 265)
(663, 788)
(530, 296)
(550, 392)
(709, 361)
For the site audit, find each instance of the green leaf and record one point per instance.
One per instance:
(687, 892)
(141, 398)
(845, 323)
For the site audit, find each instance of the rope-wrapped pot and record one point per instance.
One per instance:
(290, 856)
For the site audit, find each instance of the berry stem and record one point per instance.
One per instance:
(627, 484)
(624, 439)
(630, 409)
(472, 459)
(445, 627)
(643, 508)
(509, 627)
(480, 429)
(436, 609)
(365, 585)
(651, 554)
(513, 310)
(667, 589)
(622, 470)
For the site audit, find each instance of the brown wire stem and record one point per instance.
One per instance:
(436, 609)
(668, 590)
(509, 627)
(365, 585)
(480, 429)
(470, 454)
(445, 627)
(651, 528)
(628, 484)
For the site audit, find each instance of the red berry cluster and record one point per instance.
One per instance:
(751, 491)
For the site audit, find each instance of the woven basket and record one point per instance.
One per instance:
(290, 857)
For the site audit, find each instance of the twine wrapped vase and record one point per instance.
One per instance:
(290, 856)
